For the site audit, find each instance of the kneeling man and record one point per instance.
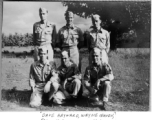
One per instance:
(40, 74)
(98, 77)
(70, 76)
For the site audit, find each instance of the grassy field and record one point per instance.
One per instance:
(130, 88)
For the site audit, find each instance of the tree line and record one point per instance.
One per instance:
(17, 39)
(24, 40)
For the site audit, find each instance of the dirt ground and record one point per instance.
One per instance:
(130, 88)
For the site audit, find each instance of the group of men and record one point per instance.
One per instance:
(66, 82)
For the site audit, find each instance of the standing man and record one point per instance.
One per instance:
(44, 34)
(70, 38)
(40, 78)
(97, 78)
(98, 37)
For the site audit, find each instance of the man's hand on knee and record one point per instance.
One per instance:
(87, 84)
(47, 87)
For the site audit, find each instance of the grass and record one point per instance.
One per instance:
(130, 88)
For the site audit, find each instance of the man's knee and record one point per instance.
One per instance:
(35, 100)
(34, 104)
(86, 84)
(55, 86)
(107, 83)
(77, 81)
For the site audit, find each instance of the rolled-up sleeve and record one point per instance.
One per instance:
(109, 73)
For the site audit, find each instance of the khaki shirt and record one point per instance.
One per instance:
(93, 73)
(70, 36)
(44, 34)
(100, 39)
(40, 73)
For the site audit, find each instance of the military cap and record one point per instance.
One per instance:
(64, 53)
(96, 50)
(43, 10)
(69, 13)
(96, 16)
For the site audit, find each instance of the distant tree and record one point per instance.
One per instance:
(17, 39)
(117, 17)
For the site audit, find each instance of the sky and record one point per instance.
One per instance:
(20, 16)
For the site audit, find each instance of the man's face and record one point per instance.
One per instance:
(43, 57)
(96, 58)
(43, 15)
(65, 59)
(96, 22)
(69, 19)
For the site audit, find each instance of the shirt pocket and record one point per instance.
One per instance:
(64, 35)
(102, 38)
(75, 36)
(48, 31)
(38, 30)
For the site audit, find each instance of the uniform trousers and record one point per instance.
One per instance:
(103, 92)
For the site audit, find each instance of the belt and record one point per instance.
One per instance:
(68, 47)
(43, 43)
(96, 47)
(40, 82)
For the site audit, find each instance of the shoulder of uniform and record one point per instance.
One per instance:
(77, 27)
(103, 30)
(91, 29)
(36, 23)
(51, 23)
(106, 65)
(34, 64)
(89, 67)
(62, 28)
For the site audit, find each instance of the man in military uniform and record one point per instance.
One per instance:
(70, 86)
(44, 34)
(70, 38)
(97, 79)
(69, 75)
(98, 37)
(40, 77)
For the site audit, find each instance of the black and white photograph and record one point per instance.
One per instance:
(75, 56)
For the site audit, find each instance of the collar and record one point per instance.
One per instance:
(95, 67)
(71, 26)
(41, 65)
(48, 23)
(100, 30)
(69, 64)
